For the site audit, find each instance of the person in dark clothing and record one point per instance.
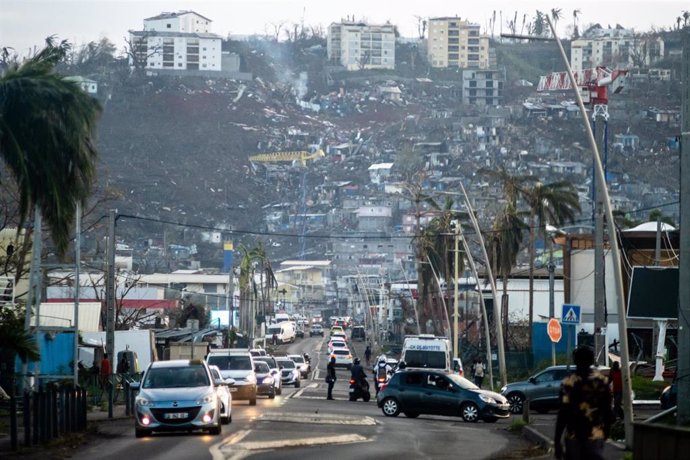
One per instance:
(123, 365)
(330, 377)
(357, 373)
(616, 382)
(585, 414)
(367, 354)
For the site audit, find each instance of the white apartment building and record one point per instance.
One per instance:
(615, 48)
(456, 43)
(179, 41)
(359, 46)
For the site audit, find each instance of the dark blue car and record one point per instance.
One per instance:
(415, 392)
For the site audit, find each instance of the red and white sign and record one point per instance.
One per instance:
(553, 328)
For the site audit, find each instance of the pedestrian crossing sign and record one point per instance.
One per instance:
(570, 314)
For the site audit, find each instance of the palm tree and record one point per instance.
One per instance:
(576, 15)
(555, 203)
(46, 127)
(556, 15)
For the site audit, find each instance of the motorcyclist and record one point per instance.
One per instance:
(357, 373)
(381, 370)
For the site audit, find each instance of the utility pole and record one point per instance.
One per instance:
(683, 415)
(456, 235)
(552, 288)
(110, 305)
(77, 293)
(599, 257)
(34, 294)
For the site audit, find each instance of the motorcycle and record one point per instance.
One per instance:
(359, 389)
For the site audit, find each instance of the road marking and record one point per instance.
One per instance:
(298, 393)
(323, 419)
(303, 442)
(215, 449)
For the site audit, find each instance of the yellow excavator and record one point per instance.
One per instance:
(300, 155)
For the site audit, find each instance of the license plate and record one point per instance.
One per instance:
(176, 415)
(232, 389)
(352, 390)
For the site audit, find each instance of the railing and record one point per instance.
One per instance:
(47, 414)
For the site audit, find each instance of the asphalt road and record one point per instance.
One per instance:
(302, 424)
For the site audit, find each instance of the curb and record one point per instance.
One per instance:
(536, 437)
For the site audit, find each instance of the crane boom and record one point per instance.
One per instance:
(299, 155)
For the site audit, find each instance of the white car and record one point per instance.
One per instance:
(336, 345)
(339, 336)
(223, 394)
(303, 366)
(289, 373)
(343, 357)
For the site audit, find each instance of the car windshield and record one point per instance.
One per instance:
(426, 359)
(297, 359)
(341, 352)
(287, 364)
(338, 344)
(261, 367)
(268, 360)
(231, 362)
(176, 377)
(462, 382)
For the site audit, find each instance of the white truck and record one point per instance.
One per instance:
(284, 332)
(141, 342)
(426, 351)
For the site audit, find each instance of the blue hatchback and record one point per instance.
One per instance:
(415, 392)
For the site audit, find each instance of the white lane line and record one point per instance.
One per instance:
(215, 449)
(322, 419)
(298, 393)
(302, 442)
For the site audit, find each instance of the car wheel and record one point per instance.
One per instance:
(229, 418)
(272, 395)
(141, 433)
(353, 398)
(470, 412)
(279, 391)
(216, 430)
(491, 419)
(297, 384)
(366, 397)
(411, 414)
(252, 402)
(224, 420)
(516, 401)
(390, 407)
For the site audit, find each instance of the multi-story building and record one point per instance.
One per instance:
(456, 43)
(483, 87)
(359, 46)
(179, 41)
(615, 48)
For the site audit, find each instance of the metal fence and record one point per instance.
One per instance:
(46, 414)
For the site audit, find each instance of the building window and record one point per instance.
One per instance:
(168, 26)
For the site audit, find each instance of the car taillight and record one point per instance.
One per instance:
(352, 381)
(382, 379)
(382, 387)
(349, 356)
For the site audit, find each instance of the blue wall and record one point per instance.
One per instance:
(541, 343)
(57, 353)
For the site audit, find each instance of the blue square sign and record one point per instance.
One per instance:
(570, 314)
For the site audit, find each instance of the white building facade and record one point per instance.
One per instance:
(177, 42)
(456, 43)
(359, 46)
(615, 48)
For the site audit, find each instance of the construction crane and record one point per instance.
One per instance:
(299, 155)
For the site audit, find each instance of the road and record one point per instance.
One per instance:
(302, 424)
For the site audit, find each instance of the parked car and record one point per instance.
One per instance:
(223, 393)
(358, 334)
(275, 372)
(289, 373)
(177, 395)
(264, 380)
(669, 396)
(415, 392)
(303, 366)
(542, 389)
(316, 329)
(237, 364)
(343, 357)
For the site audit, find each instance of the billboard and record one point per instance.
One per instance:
(653, 293)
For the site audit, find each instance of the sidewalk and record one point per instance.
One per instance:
(93, 417)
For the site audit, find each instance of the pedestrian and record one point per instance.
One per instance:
(275, 339)
(478, 372)
(367, 354)
(616, 382)
(584, 418)
(330, 377)
(106, 370)
(123, 364)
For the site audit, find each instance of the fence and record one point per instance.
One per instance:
(47, 414)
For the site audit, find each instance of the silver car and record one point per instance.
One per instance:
(223, 394)
(177, 395)
(302, 364)
(542, 390)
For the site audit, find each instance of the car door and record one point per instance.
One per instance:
(410, 391)
(555, 389)
(545, 384)
(438, 397)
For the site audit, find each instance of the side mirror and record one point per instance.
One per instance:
(219, 382)
(134, 385)
(229, 381)
(532, 380)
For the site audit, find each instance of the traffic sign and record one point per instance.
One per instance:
(553, 328)
(570, 314)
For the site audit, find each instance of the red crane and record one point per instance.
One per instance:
(595, 84)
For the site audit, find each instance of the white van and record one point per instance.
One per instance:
(280, 317)
(426, 351)
(284, 332)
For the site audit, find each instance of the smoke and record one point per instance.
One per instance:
(300, 85)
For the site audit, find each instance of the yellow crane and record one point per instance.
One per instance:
(299, 155)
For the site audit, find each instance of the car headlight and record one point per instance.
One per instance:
(503, 388)
(251, 378)
(143, 402)
(487, 399)
(268, 379)
(206, 399)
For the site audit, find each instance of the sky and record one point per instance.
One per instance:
(24, 24)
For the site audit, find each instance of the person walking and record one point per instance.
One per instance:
(330, 377)
(478, 372)
(585, 416)
(367, 354)
(106, 370)
(616, 382)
